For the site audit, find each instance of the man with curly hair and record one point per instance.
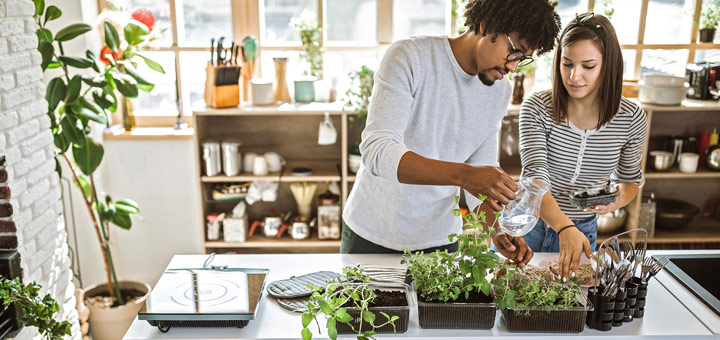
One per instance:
(432, 128)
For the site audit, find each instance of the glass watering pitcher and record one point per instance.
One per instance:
(520, 215)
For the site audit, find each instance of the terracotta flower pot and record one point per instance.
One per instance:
(112, 323)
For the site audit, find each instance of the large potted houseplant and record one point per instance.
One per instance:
(307, 26)
(453, 289)
(32, 309)
(76, 103)
(709, 18)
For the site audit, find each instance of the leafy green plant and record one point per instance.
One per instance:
(358, 95)
(353, 292)
(457, 14)
(76, 102)
(36, 312)
(307, 26)
(710, 15)
(448, 276)
(536, 287)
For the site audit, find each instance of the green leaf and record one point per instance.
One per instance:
(96, 64)
(112, 38)
(85, 186)
(121, 220)
(368, 316)
(76, 61)
(44, 34)
(80, 111)
(46, 51)
(135, 32)
(104, 100)
(126, 85)
(58, 168)
(61, 142)
(71, 131)
(72, 31)
(88, 155)
(332, 329)
(52, 13)
(97, 81)
(130, 70)
(55, 92)
(129, 203)
(151, 64)
(342, 315)
(306, 319)
(53, 64)
(324, 307)
(39, 7)
(126, 209)
(73, 88)
(306, 335)
(91, 106)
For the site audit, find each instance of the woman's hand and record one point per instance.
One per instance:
(572, 244)
(604, 209)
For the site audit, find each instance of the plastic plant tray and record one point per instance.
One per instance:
(593, 197)
(403, 312)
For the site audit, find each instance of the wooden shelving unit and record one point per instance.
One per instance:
(290, 130)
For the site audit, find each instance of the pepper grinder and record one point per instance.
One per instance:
(282, 94)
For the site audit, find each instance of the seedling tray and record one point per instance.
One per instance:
(456, 315)
(546, 320)
(403, 312)
(591, 198)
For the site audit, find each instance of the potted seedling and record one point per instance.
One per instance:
(533, 299)
(709, 19)
(310, 36)
(352, 304)
(453, 289)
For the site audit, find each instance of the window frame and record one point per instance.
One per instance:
(247, 19)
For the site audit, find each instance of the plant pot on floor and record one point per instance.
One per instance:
(707, 35)
(478, 313)
(112, 323)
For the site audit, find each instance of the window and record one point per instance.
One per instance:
(357, 32)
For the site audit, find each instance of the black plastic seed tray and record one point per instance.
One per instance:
(593, 197)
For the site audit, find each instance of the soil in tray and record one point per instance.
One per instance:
(385, 298)
(475, 297)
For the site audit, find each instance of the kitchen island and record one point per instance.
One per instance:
(672, 312)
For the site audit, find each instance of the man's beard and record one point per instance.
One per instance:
(486, 80)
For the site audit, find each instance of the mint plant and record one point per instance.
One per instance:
(35, 311)
(535, 287)
(333, 299)
(448, 276)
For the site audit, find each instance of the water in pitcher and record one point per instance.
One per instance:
(517, 225)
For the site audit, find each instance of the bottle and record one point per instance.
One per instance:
(703, 145)
(713, 137)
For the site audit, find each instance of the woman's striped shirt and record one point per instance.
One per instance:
(571, 159)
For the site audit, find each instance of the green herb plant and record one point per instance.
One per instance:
(310, 31)
(710, 15)
(448, 276)
(534, 287)
(36, 312)
(333, 299)
(358, 95)
(76, 102)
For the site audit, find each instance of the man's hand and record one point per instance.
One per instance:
(514, 248)
(492, 182)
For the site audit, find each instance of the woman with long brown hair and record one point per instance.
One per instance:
(581, 134)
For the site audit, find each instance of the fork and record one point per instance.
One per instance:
(645, 268)
(639, 257)
(658, 266)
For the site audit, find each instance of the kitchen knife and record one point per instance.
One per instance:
(212, 50)
(219, 51)
(232, 47)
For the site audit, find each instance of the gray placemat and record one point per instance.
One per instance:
(296, 286)
(298, 305)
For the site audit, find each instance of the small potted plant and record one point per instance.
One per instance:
(310, 31)
(357, 97)
(533, 299)
(709, 19)
(352, 304)
(453, 290)
(34, 311)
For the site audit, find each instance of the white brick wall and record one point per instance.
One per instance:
(27, 143)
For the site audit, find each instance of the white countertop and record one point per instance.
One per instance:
(665, 317)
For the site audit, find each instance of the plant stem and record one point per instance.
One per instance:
(103, 248)
(106, 234)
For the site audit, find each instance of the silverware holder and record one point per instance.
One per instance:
(601, 317)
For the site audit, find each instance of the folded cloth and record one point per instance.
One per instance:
(261, 191)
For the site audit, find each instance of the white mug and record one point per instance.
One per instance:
(689, 162)
(249, 162)
(260, 166)
(274, 161)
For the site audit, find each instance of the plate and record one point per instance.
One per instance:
(545, 263)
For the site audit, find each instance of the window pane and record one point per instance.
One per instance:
(419, 17)
(204, 19)
(277, 15)
(567, 9)
(162, 100)
(339, 63)
(707, 55)
(629, 64)
(352, 20)
(625, 18)
(669, 21)
(192, 68)
(161, 11)
(670, 62)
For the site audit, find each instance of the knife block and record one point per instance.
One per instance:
(220, 96)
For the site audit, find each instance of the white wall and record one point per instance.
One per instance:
(26, 141)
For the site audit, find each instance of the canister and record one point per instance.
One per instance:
(232, 161)
(262, 92)
(211, 158)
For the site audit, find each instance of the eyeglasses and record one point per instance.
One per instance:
(517, 55)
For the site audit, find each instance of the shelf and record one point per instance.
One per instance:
(688, 105)
(116, 132)
(675, 173)
(700, 230)
(283, 243)
(245, 109)
(323, 171)
(351, 178)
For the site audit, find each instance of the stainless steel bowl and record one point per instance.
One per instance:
(662, 160)
(610, 222)
(712, 159)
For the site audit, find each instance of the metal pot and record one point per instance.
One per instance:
(674, 214)
(610, 222)
(662, 160)
(712, 158)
